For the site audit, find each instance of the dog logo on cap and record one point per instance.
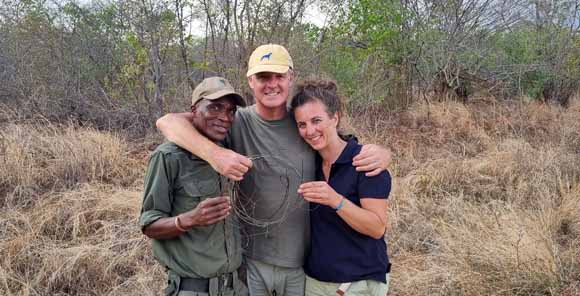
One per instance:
(266, 56)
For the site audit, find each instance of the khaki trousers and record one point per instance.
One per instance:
(315, 287)
(270, 280)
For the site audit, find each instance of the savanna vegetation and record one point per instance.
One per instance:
(478, 100)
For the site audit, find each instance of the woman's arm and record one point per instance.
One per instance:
(369, 219)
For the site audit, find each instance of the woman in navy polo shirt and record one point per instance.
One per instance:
(348, 209)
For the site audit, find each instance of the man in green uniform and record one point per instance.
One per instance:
(184, 210)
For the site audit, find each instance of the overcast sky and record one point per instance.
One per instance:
(312, 14)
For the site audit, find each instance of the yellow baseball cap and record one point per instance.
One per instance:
(269, 58)
(213, 88)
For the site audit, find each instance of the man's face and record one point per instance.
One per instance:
(271, 90)
(213, 118)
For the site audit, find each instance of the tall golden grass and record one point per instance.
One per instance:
(486, 201)
(45, 157)
(70, 198)
(487, 198)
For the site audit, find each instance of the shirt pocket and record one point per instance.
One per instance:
(196, 189)
(201, 188)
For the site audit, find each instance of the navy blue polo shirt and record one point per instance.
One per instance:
(338, 253)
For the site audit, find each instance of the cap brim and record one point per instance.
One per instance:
(239, 100)
(268, 68)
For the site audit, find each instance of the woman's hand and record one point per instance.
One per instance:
(321, 193)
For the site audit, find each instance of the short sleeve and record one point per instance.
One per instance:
(157, 195)
(374, 187)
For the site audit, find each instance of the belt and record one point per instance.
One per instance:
(225, 280)
(195, 285)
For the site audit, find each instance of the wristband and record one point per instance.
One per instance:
(340, 205)
(178, 224)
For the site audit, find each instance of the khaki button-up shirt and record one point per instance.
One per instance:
(176, 182)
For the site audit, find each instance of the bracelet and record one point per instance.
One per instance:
(178, 224)
(340, 205)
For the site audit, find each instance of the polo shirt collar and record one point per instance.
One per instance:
(347, 154)
(345, 157)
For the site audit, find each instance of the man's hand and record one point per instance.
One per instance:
(372, 159)
(230, 163)
(207, 212)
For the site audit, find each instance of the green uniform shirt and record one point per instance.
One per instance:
(176, 182)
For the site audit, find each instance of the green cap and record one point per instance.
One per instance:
(213, 88)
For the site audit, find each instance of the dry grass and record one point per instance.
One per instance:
(44, 157)
(486, 202)
(486, 199)
(80, 242)
(70, 199)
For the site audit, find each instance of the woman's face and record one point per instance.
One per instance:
(315, 126)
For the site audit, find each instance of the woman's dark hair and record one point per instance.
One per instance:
(313, 89)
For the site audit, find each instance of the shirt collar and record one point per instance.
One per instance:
(349, 151)
(346, 156)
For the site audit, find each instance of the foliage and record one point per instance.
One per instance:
(119, 64)
(376, 25)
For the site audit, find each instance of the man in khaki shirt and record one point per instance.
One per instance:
(184, 210)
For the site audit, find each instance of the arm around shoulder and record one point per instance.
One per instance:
(373, 159)
(178, 128)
